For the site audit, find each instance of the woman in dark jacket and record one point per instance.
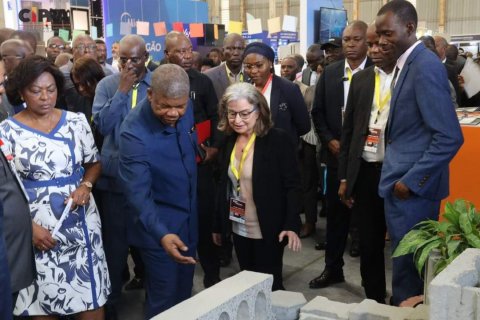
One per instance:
(259, 191)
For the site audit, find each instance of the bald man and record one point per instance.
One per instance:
(158, 173)
(115, 97)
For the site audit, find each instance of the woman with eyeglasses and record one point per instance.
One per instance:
(284, 98)
(259, 189)
(55, 156)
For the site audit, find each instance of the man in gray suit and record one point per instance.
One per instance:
(231, 70)
(17, 224)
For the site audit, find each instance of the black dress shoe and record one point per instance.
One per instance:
(208, 282)
(325, 279)
(320, 246)
(134, 284)
(355, 249)
(307, 230)
(225, 261)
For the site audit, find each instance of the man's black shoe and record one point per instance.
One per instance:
(225, 261)
(355, 249)
(320, 246)
(325, 279)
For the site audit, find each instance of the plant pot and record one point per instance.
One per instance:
(429, 272)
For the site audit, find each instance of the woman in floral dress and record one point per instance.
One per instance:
(56, 158)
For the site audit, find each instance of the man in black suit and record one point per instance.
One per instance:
(327, 114)
(360, 161)
(333, 50)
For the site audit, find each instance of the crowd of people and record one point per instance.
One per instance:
(102, 158)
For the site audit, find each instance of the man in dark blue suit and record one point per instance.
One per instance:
(158, 172)
(423, 135)
(5, 297)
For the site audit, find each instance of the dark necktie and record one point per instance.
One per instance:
(394, 80)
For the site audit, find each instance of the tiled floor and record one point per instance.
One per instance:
(299, 269)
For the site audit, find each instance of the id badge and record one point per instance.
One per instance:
(373, 139)
(237, 210)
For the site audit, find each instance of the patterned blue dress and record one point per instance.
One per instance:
(72, 277)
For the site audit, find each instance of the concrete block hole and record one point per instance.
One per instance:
(242, 312)
(260, 306)
(224, 316)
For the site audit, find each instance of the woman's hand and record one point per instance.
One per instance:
(42, 239)
(80, 197)
(294, 242)
(217, 238)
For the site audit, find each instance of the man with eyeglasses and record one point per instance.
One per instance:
(55, 46)
(115, 97)
(178, 50)
(12, 51)
(82, 46)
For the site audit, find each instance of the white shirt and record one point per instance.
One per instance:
(379, 120)
(313, 78)
(403, 58)
(346, 83)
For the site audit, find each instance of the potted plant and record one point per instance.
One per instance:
(459, 230)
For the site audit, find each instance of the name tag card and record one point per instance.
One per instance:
(373, 139)
(237, 210)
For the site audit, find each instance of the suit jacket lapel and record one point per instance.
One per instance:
(274, 97)
(368, 96)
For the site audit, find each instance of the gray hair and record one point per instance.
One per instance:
(247, 91)
(170, 80)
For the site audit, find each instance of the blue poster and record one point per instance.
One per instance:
(123, 15)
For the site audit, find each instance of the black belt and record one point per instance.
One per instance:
(375, 164)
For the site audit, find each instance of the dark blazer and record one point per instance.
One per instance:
(18, 229)
(306, 75)
(355, 126)
(453, 78)
(288, 108)
(5, 297)
(423, 131)
(327, 105)
(276, 185)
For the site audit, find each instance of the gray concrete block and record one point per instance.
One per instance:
(327, 309)
(372, 310)
(245, 296)
(286, 304)
(446, 289)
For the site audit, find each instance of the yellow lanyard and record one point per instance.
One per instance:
(238, 173)
(134, 95)
(381, 103)
(349, 75)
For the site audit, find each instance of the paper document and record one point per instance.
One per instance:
(63, 217)
(471, 74)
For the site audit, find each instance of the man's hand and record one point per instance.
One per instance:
(127, 78)
(217, 238)
(461, 83)
(401, 191)
(341, 193)
(172, 244)
(210, 153)
(334, 147)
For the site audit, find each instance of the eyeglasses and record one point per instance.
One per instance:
(59, 46)
(11, 58)
(134, 60)
(244, 115)
(90, 47)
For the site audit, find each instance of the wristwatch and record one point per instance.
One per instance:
(87, 184)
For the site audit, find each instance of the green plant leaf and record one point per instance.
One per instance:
(425, 251)
(439, 266)
(451, 214)
(461, 205)
(473, 240)
(410, 242)
(465, 223)
(452, 247)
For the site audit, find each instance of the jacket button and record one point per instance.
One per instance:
(389, 141)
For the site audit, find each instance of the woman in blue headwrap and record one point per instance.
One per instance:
(286, 103)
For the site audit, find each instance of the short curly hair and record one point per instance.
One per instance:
(27, 72)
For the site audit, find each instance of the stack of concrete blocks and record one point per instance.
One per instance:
(454, 293)
(245, 296)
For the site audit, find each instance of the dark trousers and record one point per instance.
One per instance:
(208, 252)
(309, 172)
(369, 209)
(259, 256)
(401, 216)
(166, 282)
(338, 221)
(139, 268)
(114, 228)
